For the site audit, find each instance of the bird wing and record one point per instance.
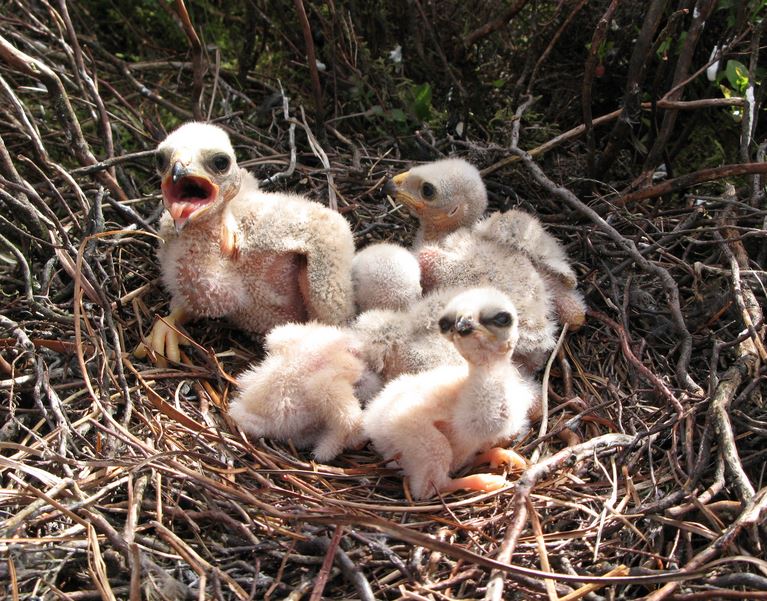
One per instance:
(284, 223)
(522, 232)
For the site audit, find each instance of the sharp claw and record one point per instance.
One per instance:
(140, 352)
(164, 340)
(171, 346)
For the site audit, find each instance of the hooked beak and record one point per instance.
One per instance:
(464, 326)
(187, 194)
(179, 170)
(392, 186)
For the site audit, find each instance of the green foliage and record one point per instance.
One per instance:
(737, 74)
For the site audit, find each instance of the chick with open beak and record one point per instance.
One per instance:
(198, 182)
(232, 250)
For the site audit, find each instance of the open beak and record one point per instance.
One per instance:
(186, 193)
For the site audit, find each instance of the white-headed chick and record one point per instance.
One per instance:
(232, 250)
(304, 390)
(435, 422)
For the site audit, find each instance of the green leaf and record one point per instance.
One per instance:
(422, 102)
(737, 75)
(398, 115)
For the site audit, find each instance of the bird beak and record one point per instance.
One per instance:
(464, 326)
(390, 188)
(187, 193)
(394, 188)
(179, 170)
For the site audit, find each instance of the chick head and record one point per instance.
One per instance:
(444, 195)
(199, 171)
(481, 323)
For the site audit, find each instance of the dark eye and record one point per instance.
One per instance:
(428, 191)
(161, 161)
(220, 163)
(445, 324)
(502, 319)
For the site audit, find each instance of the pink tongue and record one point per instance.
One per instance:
(179, 210)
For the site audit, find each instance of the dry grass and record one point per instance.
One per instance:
(122, 480)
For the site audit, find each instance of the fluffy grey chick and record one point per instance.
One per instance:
(444, 195)
(231, 250)
(406, 341)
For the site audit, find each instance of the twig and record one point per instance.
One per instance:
(553, 42)
(545, 395)
(489, 28)
(579, 130)
(597, 39)
(688, 180)
(291, 142)
(322, 156)
(659, 385)
(38, 70)
(670, 286)
(753, 514)
(349, 569)
(322, 576)
(703, 9)
(311, 60)
(198, 59)
(111, 162)
(531, 476)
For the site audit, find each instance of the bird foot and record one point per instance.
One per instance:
(480, 482)
(164, 340)
(498, 456)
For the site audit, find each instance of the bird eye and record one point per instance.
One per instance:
(161, 161)
(220, 163)
(502, 319)
(445, 324)
(428, 191)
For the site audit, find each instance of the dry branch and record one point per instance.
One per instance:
(127, 480)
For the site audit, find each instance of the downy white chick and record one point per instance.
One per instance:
(385, 276)
(435, 422)
(303, 390)
(232, 250)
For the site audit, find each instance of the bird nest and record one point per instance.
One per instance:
(125, 480)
